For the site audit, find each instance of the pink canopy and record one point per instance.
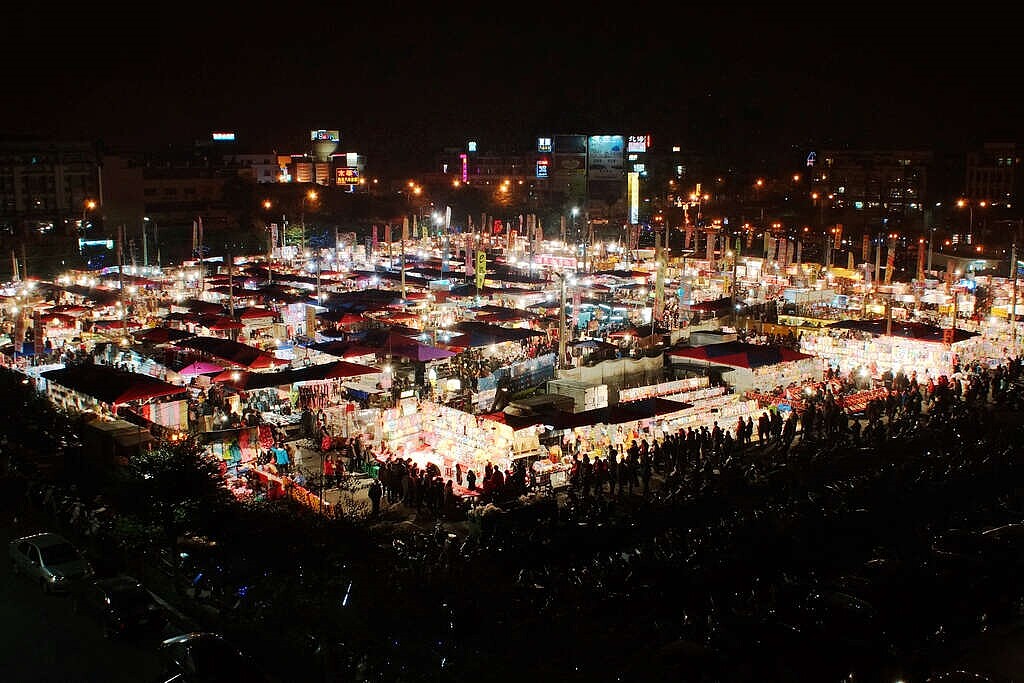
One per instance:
(200, 367)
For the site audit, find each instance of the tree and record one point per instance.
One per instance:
(177, 487)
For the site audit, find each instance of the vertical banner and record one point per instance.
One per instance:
(865, 248)
(374, 236)
(711, 247)
(481, 268)
(921, 246)
(405, 232)
(839, 237)
(689, 237)
(310, 321)
(387, 233)
(195, 238)
(369, 248)
(659, 282)
(890, 260)
(444, 256)
(799, 246)
(273, 236)
(469, 262)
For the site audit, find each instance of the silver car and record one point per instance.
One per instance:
(50, 560)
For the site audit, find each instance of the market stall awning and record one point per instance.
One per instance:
(200, 367)
(908, 330)
(110, 385)
(232, 351)
(485, 334)
(244, 380)
(161, 335)
(740, 355)
(343, 349)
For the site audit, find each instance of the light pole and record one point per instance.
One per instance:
(698, 198)
(309, 196)
(156, 241)
(87, 205)
(576, 235)
(961, 203)
(562, 329)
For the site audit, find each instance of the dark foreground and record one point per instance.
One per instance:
(832, 562)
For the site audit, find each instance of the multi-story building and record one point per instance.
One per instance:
(48, 186)
(993, 173)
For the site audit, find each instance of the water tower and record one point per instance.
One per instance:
(324, 144)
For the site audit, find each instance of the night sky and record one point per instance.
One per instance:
(398, 83)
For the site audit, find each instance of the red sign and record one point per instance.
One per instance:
(346, 176)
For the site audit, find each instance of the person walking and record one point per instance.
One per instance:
(329, 470)
(281, 460)
(375, 493)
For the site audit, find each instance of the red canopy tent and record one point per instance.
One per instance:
(110, 385)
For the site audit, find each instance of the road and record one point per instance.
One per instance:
(42, 640)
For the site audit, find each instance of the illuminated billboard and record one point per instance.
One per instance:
(544, 145)
(605, 156)
(638, 144)
(324, 135)
(542, 168)
(346, 176)
(223, 137)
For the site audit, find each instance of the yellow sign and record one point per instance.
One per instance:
(481, 268)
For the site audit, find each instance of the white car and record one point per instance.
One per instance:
(50, 560)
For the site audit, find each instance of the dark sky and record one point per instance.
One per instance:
(399, 83)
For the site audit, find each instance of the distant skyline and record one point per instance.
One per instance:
(400, 85)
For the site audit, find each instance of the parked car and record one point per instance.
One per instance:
(122, 606)
(51, 560)
(205, 657)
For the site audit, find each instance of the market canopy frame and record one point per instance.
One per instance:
(109, 385)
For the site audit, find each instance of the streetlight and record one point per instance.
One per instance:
(562, 329)
(961, 203)
(697, 197)
(576, 231)
(88, 205)
(309, 196)
(156, 241)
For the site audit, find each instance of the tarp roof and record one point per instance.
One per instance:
(907, 330)
(232, 351)
(485, 334)
(721, 304)
(341, 369)
(619, 414)
(110, 385)
(344, 349)
(740, 355)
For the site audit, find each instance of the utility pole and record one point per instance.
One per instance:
(231, 285)
(1013, 300)
(561, 324)
(405, 236)
(878, 258)
(1013, 273)
(120, 280)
